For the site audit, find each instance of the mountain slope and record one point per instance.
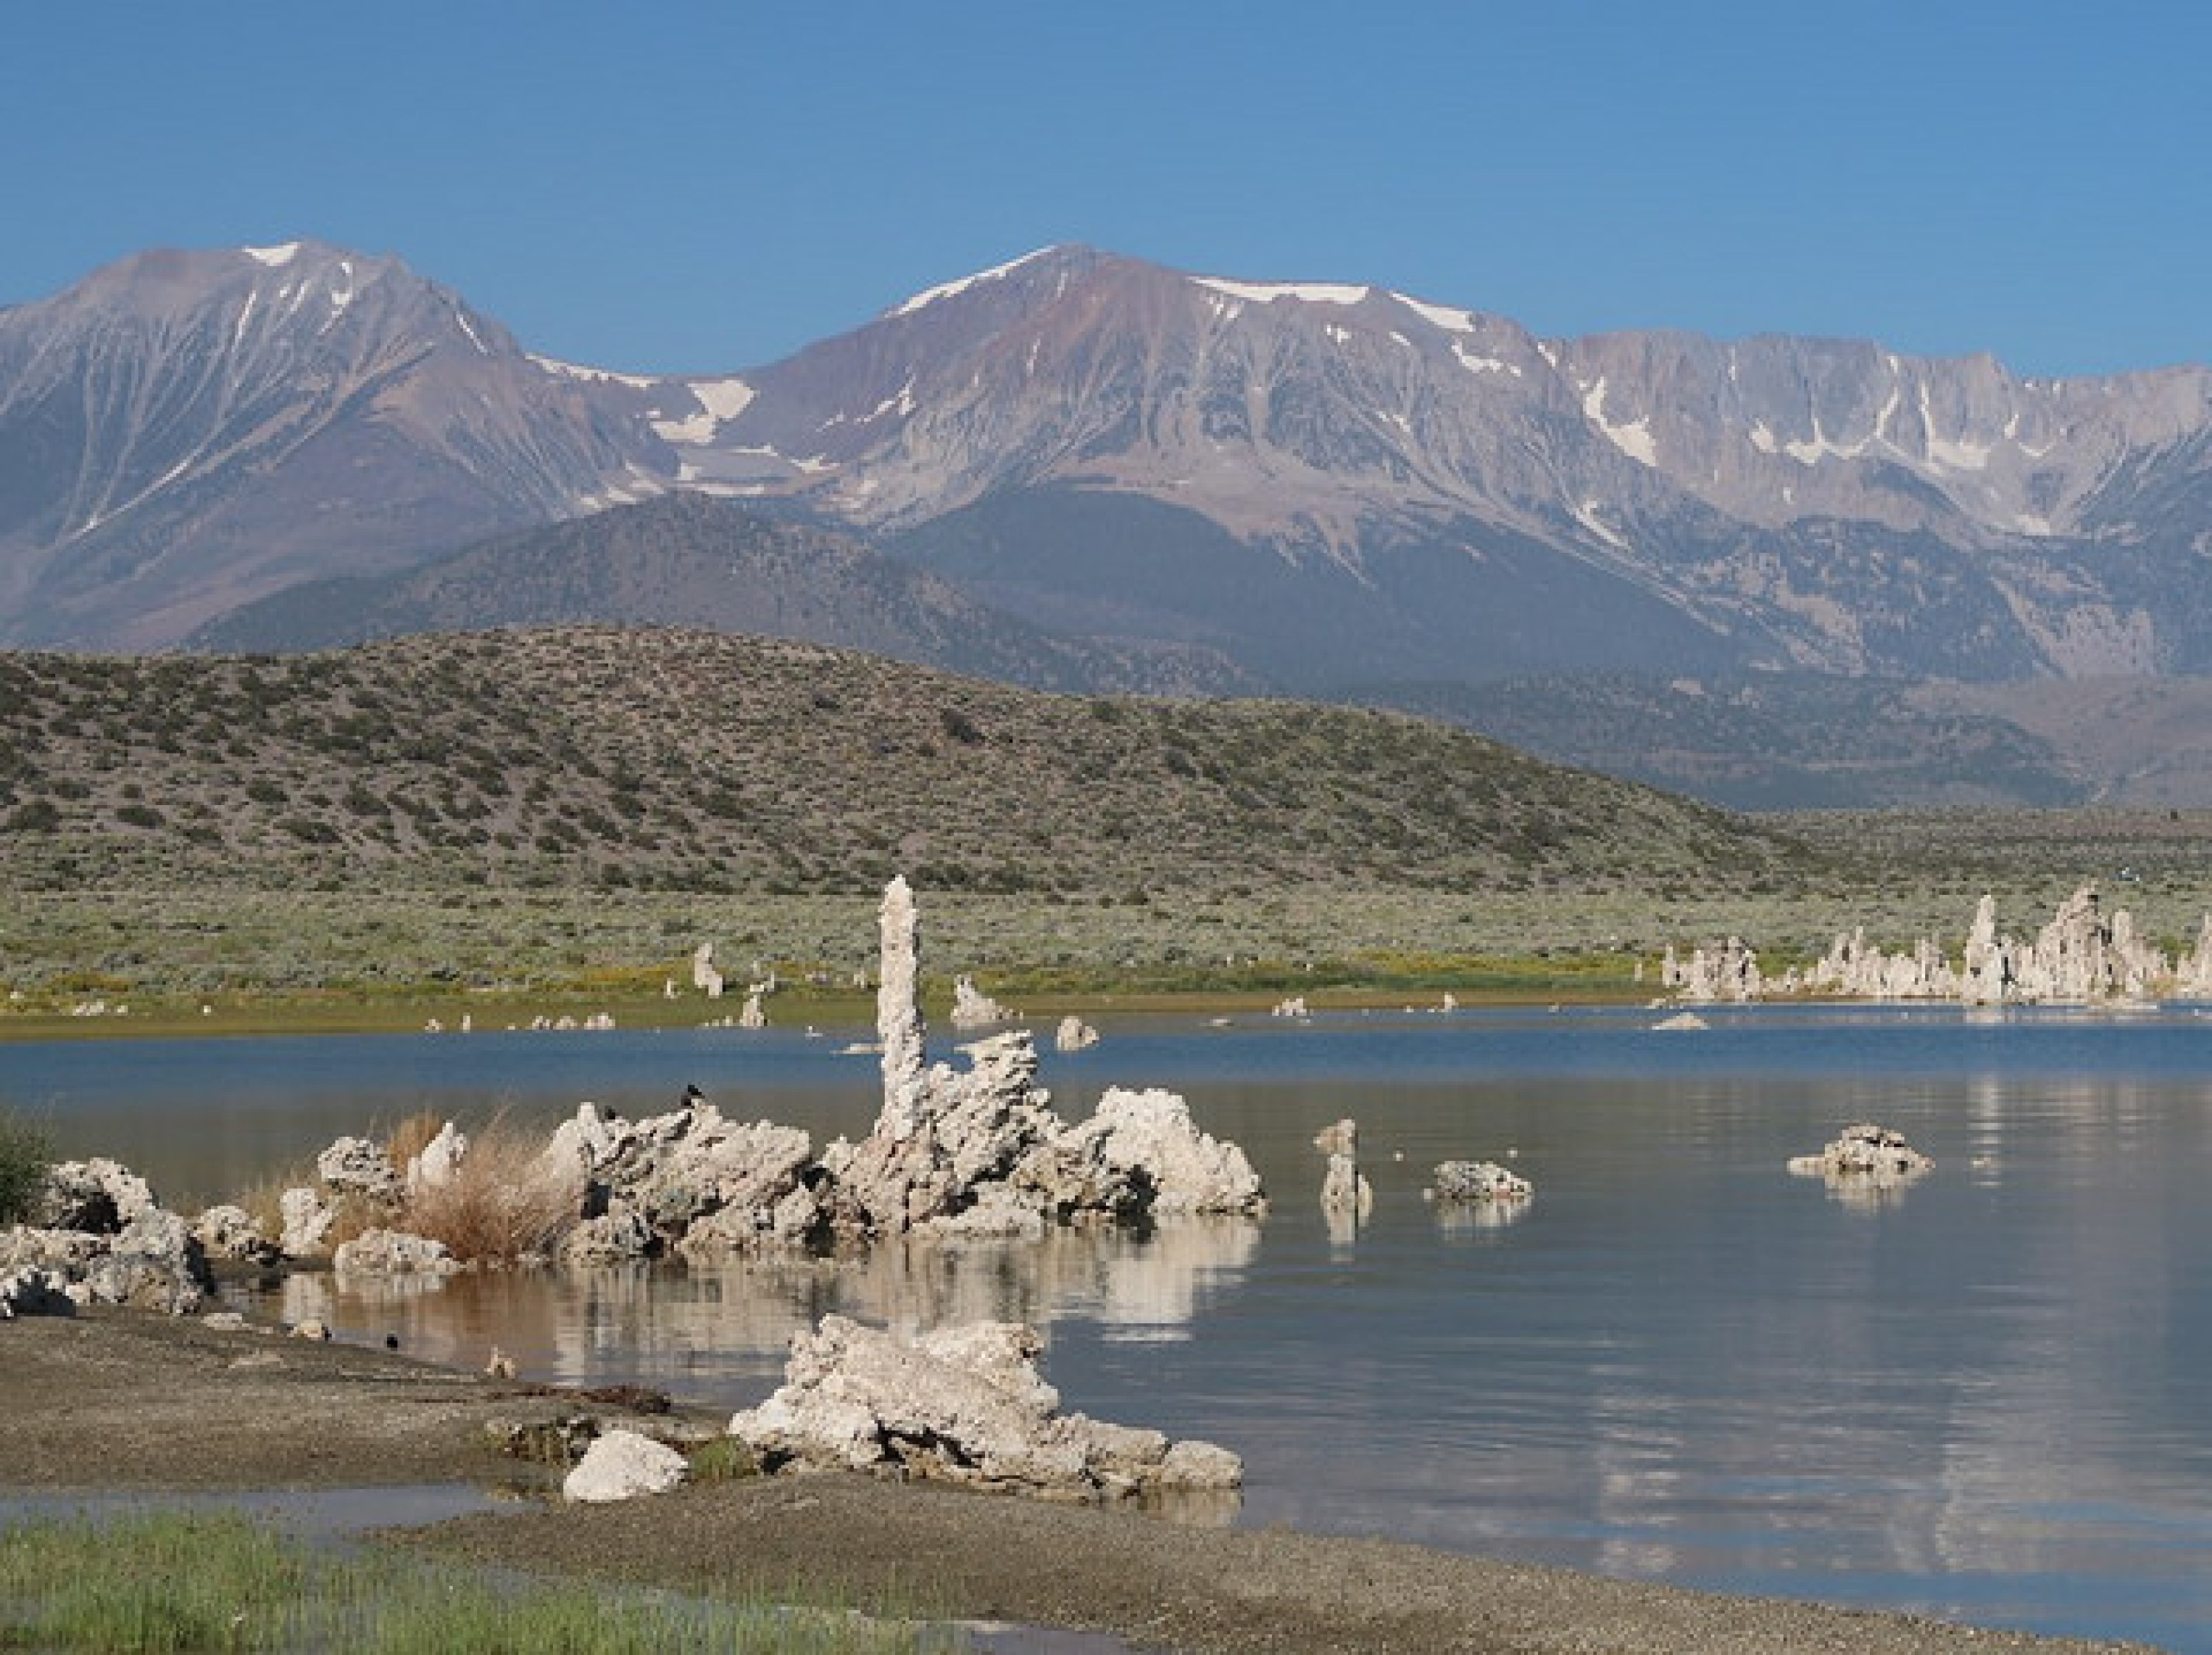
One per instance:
(684, 560)
(185, 431)
(698, 761)
(1335, 483)
(1773, 503)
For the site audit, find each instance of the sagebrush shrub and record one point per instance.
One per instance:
(25, 1154)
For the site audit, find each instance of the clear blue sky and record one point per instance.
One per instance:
(701, 187)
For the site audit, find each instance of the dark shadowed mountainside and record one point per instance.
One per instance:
(689, 560)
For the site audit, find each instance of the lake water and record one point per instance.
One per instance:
(1987, 1395)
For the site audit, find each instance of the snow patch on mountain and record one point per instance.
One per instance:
(275, 258)
(1475, 363)
(1448, 318)
(1632, 439)
(720, 401)
(1267, 293)
(953, 289)
(594, 375)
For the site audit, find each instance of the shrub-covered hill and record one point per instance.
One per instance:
(678, 759)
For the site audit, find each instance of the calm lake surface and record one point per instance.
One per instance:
(1987, 1395)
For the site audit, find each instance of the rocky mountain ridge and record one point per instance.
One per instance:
(184, 432)
(1329, 487)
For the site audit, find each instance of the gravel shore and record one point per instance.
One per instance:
(117, 1401)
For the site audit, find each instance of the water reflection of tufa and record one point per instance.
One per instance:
(668, 1317)
(1463, 1219)
(1867, 1195)
(1138, 1288)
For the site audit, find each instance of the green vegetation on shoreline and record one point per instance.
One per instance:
(178, 1582)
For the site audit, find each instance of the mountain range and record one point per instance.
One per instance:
(1087, 471)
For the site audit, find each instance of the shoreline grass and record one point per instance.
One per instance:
(178, 1582)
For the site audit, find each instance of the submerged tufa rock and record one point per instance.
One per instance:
(1478, 1181)
(1346, 1198)
(1864, 1150)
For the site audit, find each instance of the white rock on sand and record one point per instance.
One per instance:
(963, 1404)
(623, 1465)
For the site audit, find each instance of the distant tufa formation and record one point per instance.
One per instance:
(2080, 957)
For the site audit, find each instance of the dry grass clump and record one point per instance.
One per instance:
(351, 1216)
(404, 1142)
(503, 1203)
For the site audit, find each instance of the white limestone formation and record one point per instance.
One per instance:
(1856, 969)
(973, 1008)
(1294, 1008)
(230, 1232)
(440, 1162)
(963, 1404)
(99, 1196)
(980, 1150)
(899, 1026)
(966, 1151)
(1073, 1034)
(753, 1014)
(354, 1165)
(1347, 1199)
(1867, 1167)
(152, 1262)
(394, 1252)
(623, 1465)
(1148, 1138)
(690, 1177)
(2080, 957)
(2192, 976)
(704, 977)
(1477, 1180)
(611, 1238)
(307, 1220)
(1729, 971)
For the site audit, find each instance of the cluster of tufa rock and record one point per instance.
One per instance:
(963, 1404)
(971, 1151)
(2080, 957)
(973, 1008)
(1477, 1180)
(101, 1238)
(1864, 1150)
(981, 1151)
(1728, 971)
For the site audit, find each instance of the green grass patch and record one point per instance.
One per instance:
(179, 1582)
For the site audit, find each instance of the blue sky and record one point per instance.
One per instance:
(703, 187)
